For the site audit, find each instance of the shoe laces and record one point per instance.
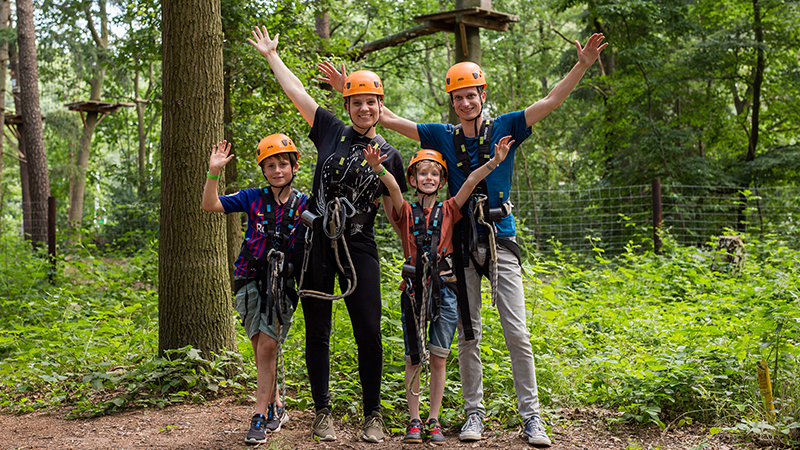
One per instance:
(321, 417)
(535, 424)
(434, 427)
(371, 421)
(473, 421)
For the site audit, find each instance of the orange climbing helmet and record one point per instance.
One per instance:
(426, 155)
(362, 82)
(464, 74)
(274, 144)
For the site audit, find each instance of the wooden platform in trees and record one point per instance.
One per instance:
(97, 106)
(471, 17)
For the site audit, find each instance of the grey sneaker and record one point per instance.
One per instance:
(373, 427)
(413, 432)
(276, 417)
(435, 432)
(534, 432)
(322, 428)
(258, 430)
(473, 429)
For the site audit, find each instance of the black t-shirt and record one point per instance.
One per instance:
(367, 187)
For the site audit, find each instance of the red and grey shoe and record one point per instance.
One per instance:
(435, 432)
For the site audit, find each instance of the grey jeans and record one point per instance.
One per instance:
(511, 308)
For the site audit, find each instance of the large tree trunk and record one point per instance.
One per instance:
(194, 295)
(39, 179)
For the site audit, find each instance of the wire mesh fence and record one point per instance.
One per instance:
(610, 218)
(579, 220)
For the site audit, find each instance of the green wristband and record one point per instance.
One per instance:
(382, 172)
(211, 177)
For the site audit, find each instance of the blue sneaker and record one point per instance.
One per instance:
(276, 417)
(258, 430)
(534, 432)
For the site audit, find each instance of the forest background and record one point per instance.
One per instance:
(693, 93)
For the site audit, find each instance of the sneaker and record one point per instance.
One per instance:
(473, 429)
(413, 432)
(276, 417)
(323, 426)
(435, 432)
(258, 430)
(373, 427)
(534, 432)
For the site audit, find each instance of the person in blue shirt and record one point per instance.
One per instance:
(488, 227)
(264, 275)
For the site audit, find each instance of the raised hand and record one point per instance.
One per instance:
(262, 42)
(373, 157)
(588, 54)
(220, 155)
(334, 77)
(501, 149)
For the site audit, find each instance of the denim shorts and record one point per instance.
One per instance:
(443, 330)
(256, 320)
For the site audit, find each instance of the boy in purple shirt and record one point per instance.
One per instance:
(263, 279)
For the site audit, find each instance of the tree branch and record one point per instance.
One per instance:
(393, 40)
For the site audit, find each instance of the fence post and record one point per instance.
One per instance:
(656, 192)
(51, 236)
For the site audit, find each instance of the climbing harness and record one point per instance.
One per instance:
(477, 212)
(423, 285)
(339, 213)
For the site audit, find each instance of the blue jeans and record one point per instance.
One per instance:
(443, 330)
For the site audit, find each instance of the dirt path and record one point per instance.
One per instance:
(223, 422)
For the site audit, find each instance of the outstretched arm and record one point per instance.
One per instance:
(500, 151)
(374, 159)
(289, 82)
(388, 119)
(396, 123)
(219, 157)
(586, 57)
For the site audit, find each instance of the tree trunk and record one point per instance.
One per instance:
(78, 179)
(194, 301)
(758, 80)
(233, 221)
(142, 135)
(5, 14)
(39, 180)
(27, 229)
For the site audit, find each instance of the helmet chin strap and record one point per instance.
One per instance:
(280, 193)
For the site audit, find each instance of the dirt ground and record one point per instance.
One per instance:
(223, 422)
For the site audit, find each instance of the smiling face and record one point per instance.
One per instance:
(467, 102)
(427, 177)
(279, 169)
(364, 110)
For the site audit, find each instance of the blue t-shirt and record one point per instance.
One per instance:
(439, 137)
(249, 201)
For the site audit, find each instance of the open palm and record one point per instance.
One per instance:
(262, 42)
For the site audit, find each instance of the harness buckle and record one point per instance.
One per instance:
(309, 218)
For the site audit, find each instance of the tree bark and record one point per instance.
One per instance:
(39, 180)
(233, 221)
(13, 63)
(194, 301)
(142, 135)
(758, 80)
(5, 14)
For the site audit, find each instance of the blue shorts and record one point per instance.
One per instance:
(443, 330)
(255, 320)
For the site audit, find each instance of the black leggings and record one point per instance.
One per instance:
(364, 308)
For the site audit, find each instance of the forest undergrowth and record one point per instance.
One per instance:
(662, 339)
